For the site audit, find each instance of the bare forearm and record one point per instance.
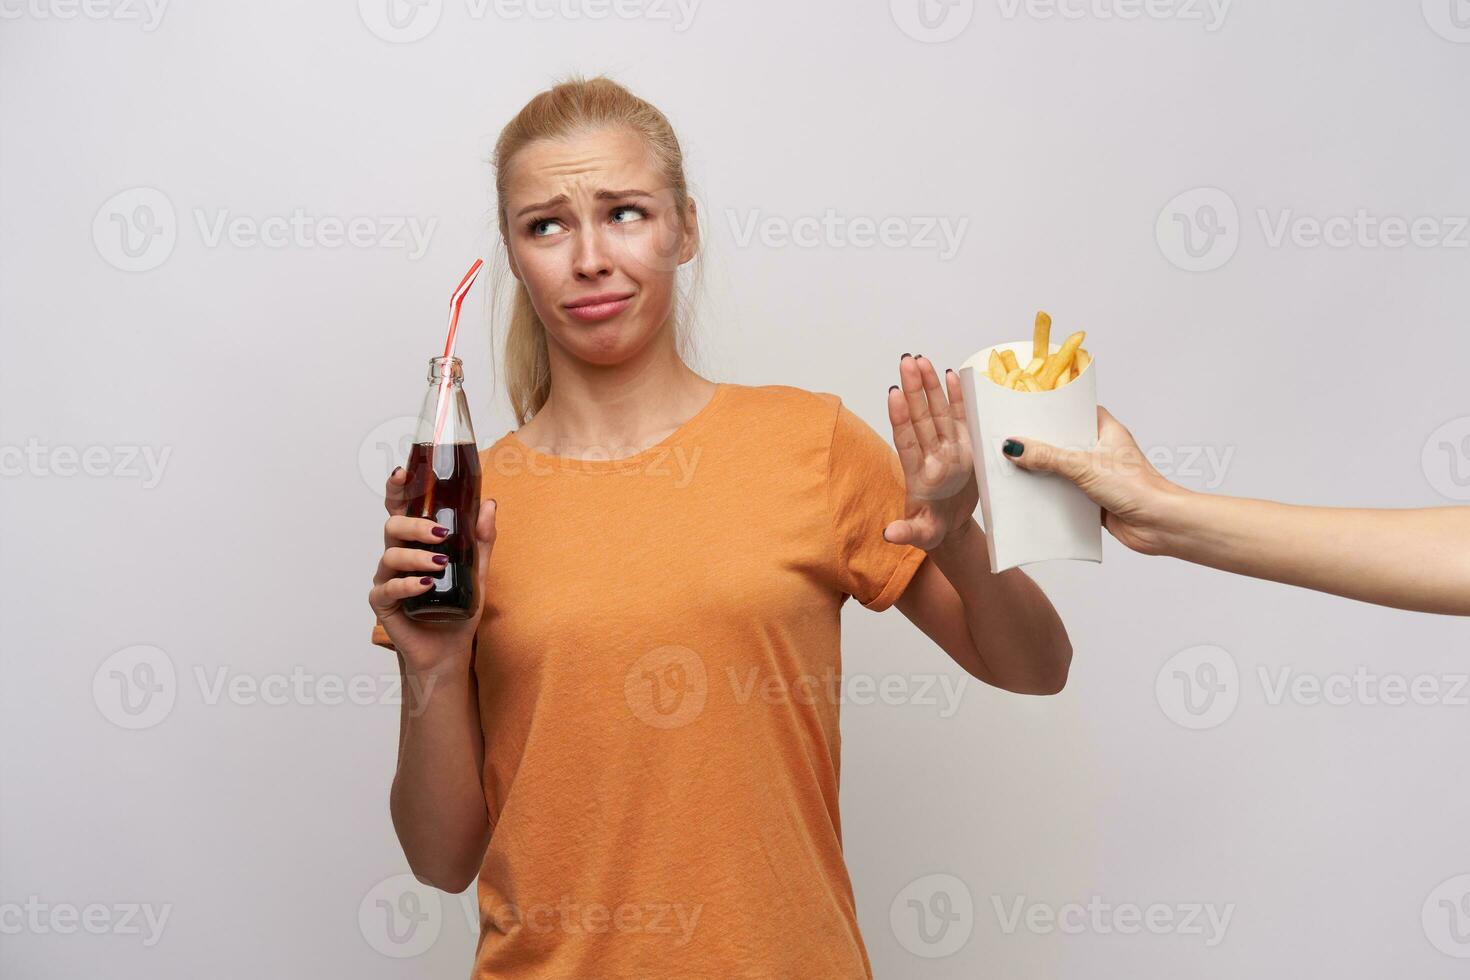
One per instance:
(437, 802)
(1409, 559)
(1018, 638)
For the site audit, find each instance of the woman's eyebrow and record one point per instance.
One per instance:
(600, 195)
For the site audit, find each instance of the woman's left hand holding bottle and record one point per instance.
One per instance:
(404, 571)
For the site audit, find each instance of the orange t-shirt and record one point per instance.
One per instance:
(658, 674)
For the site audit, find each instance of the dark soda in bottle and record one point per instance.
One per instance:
(444, 486)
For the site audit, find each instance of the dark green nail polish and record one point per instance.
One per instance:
(1012, 448)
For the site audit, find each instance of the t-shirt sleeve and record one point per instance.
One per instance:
(865, 493)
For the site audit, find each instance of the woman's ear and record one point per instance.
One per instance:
(510, 260)
(690, 247)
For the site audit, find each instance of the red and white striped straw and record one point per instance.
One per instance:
(455, 302)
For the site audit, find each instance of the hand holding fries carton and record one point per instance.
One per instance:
(1048, 392)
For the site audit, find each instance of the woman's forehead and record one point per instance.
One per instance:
(601, 159)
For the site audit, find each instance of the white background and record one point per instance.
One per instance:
(272, 376)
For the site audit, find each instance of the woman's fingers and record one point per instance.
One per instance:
(1029, 454)
(899, 532)
(395, 499)
(919, 531)
(911, 380)
(938, 404)
(484, 536)
(401, 528)
(396, 561)
(956, 391)
(395, 494)
(385, 596)
(485, 540)
(1112, 434)
(485, 526)
(910, 454)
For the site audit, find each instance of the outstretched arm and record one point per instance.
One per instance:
(1001, 628)
(1410, 559)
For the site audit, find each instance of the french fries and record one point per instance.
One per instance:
(1045, 371)
(997, 368)
(1041, 338)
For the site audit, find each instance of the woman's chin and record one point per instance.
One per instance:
(604, 344)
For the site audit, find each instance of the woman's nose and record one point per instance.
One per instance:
(591, 258)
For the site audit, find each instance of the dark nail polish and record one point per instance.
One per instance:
(395, 471)
(1012, 448)
(893, 387)
(917, 356)
(906, 355)
(441, 532)
(426, 580)
(441, 559)
(949, 370)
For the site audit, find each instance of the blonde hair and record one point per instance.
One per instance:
(568, 107)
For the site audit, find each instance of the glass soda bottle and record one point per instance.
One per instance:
(444, 486)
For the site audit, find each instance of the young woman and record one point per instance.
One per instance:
(1416, 559)
(635, 745)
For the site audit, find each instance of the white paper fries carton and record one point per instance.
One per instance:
(1031, 517)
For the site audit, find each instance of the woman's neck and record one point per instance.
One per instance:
(613, 416)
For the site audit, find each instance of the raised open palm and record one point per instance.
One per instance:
(934, 447)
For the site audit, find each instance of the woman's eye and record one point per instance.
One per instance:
(638, 214)
(540, 224)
